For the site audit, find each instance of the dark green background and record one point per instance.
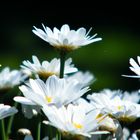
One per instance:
(108, 59)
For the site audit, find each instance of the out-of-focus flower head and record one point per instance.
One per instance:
(6, 110)
(46, 69)
(9, 79)
(85, 78)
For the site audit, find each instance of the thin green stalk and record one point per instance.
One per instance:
(10, 122)
(58, 135)
(11, 119)
(39, 130)
(3, 130)
(62, 63)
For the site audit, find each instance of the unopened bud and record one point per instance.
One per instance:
(22, 132)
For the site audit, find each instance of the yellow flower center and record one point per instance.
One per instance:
(49, 99)
(78, 126)
(119, 107)
(45, 74)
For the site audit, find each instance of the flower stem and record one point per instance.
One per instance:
(3, 130)
(58, 135)
(62, 63)
(10, 122)
(39, 130)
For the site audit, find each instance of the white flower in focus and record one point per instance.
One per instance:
(9, 79)
(84, 78)
(134, 67)
(46, 69)
(65, 38)
(73, 119)
(6, 110)
(55, 91)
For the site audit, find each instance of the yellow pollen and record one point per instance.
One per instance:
(49, 99)
(119, 107)
(99, 116)
(76, 125)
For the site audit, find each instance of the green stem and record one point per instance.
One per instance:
(58, 135)
(3, 130)
(62, 63)
(39, 130)
(10, 122)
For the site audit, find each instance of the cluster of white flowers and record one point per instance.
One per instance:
(54, 89)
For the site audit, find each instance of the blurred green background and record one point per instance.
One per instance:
(107, 59)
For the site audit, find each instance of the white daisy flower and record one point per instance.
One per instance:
(6, 110)
(46, 69)
(134, 67)
(86, 105)
(85, 78)
(111, 93)
(9, 79)
(125, 111)
(132, 97)
(65, 38)
(126, 96)
(55, 91)
(72, 119)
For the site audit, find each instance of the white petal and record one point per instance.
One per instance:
(65, 29)
(23, 100)
(81, 31)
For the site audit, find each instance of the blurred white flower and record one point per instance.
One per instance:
(9, 79)
(125, 111)
(134, 137)
(65, 38)
(126, 133)
(6, 110)
(111, 93)
(73, 119)
(85, 78)
(126, 96)
(86, 105)
(100, 101)
(55, 91)
(30, 110)
(133, 96)
(46, 69)
(134, 67)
